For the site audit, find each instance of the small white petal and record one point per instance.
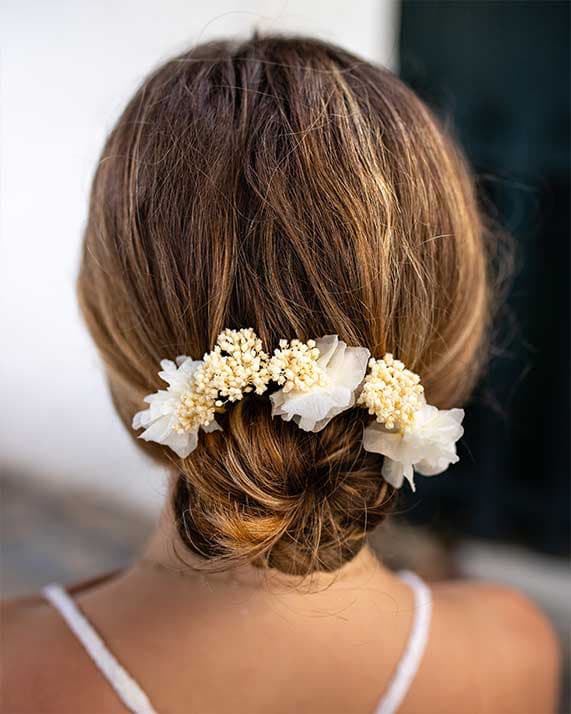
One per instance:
(158, 430)
(168, 366)
(336, 360)
(426, 467)
(141, 420)
(213, 426)
(393, 472)
(182, 444)
(381, 441)
(188, 366)
(352, 370)
(326, 346)
(409, 475)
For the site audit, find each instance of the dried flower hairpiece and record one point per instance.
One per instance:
(318, 380)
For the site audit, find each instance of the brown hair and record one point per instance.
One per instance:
(285, 185)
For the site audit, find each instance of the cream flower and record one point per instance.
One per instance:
(328, 390)
(428, 446)
(161, 421)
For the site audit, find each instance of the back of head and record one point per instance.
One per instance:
(286, 185)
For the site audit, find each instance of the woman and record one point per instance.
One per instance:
(290, 217)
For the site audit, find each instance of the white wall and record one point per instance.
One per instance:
(67, 70)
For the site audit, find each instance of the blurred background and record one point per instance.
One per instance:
(76, 496)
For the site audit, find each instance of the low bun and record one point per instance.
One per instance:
(265, 492)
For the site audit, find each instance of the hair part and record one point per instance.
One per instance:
(286, 185)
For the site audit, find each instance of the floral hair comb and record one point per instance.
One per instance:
(317, 380)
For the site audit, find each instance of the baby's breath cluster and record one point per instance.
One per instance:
(195, 409)
(236, 366)
(294, 366)
(392, 393)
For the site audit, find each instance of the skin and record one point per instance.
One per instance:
(251, 641)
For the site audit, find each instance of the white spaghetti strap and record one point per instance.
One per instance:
(412, 656)
(128, 690)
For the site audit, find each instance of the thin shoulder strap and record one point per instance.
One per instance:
(412, 656)
(128, 690)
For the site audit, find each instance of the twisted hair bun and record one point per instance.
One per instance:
(286, 185)
(264, 493)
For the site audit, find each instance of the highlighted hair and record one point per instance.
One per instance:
(287, 185)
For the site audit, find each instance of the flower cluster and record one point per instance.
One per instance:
(392, 393)
(411, 434)
(161, 420)
(294, 365)
(318, 380)
(336, 375)
(428, 446)
(236, 366)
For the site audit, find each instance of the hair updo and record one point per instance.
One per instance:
(285, 185)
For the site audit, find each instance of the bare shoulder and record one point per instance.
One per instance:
(513, 652)
(510, 615)
(38, 655)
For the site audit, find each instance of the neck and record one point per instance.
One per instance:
(166, 557)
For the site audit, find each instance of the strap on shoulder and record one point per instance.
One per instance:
(408, 666)
(126, 687)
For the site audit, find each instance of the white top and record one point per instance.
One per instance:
(136, 701)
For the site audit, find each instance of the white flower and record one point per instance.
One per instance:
(160, 420)
(312, 408)
(428, 446)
